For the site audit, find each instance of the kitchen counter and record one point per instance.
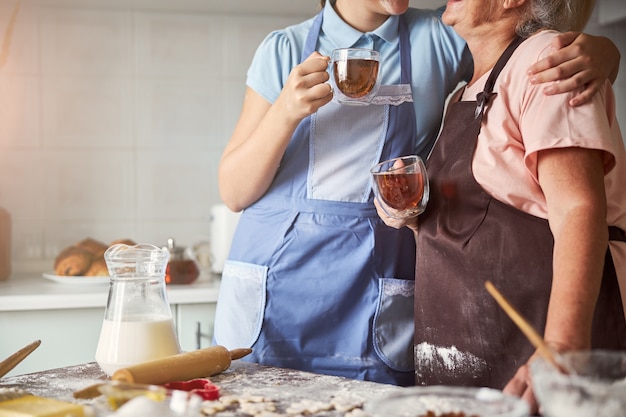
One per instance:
(287, 389)
(67, 318)
(28, 292)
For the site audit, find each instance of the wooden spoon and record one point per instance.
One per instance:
(4, 50)
(528, 330)
(12, 361)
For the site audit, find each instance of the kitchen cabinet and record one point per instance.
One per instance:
(194, 323)
(68, 336)
(67, 319)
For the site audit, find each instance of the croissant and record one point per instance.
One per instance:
(96, 247)
(85, 258)
(73, 261)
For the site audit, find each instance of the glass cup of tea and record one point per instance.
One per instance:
(401, 186)
(355, 74)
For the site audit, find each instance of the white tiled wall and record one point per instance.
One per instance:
(113, 119)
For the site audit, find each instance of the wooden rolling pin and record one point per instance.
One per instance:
(182, 367)
(12, 361)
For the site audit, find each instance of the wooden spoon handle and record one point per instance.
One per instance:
(239, 353)
(528, 330)
(12, 361)
(4, 51)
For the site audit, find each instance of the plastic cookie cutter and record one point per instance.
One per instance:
(201, 387)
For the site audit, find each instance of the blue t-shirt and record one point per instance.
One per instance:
(439, 57)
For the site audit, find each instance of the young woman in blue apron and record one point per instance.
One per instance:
(315, 280)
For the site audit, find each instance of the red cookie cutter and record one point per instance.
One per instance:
(202, 387)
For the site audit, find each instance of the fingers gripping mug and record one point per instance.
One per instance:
(401, 185)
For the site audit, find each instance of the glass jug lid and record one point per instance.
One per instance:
(138, 261)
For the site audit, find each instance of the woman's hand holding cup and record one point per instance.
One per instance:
(307, 88)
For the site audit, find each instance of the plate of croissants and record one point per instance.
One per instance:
(77, 280)
(83, 263)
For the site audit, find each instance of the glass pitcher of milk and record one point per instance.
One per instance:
(138, 324)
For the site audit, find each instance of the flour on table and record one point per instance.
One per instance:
(228, 400)
(346, 403)
(357, 412)
(254, 405)
(259, 406)
(252, 399)
(7, 394)
(308, 407)
(256, 408)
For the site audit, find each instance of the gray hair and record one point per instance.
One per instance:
(560, 15)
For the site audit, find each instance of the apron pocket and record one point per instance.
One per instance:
(240, 305)
(394, 324)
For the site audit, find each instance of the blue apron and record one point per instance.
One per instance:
(315, 281)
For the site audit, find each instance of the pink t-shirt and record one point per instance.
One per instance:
(522, 120)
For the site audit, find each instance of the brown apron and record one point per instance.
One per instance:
(462, 336)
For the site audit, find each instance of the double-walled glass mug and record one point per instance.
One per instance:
(138, 324)
(355, 75)
(401, 185)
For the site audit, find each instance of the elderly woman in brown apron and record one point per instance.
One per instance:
(526, 192)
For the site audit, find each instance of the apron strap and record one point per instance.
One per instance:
(405, 48)
(617, 234)
(310, 44)
(487, 94)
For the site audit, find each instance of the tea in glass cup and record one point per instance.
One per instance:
(355, 75)
(401, 185)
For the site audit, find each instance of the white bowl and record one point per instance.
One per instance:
(438, 400)
(597, 387)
